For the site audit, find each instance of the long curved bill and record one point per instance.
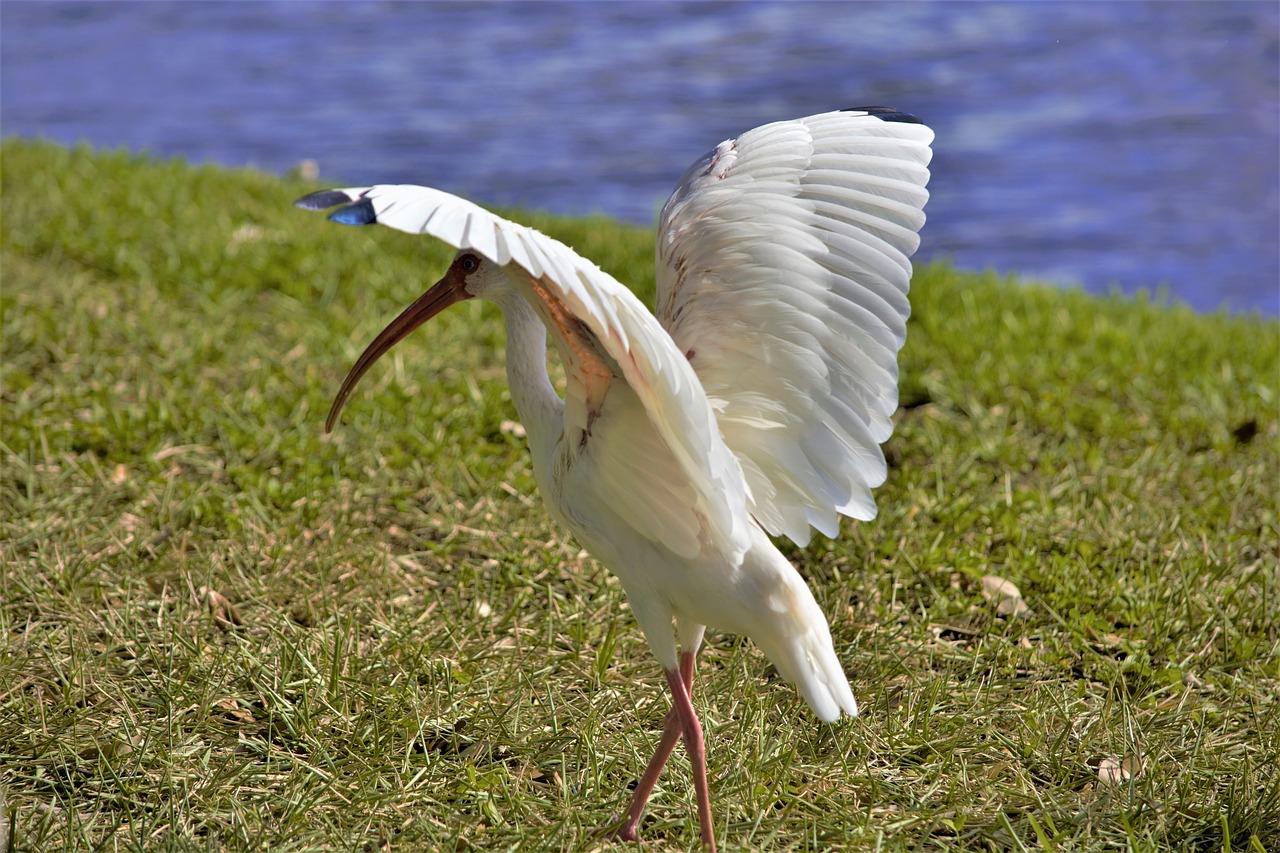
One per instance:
(440, 296)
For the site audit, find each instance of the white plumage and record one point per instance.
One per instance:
(783, 270)
(754, 401)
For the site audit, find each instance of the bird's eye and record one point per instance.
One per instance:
(469, 263)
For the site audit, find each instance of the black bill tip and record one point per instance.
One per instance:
(886, 114)
(322, 200)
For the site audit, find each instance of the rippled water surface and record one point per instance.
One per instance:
(1123, 145)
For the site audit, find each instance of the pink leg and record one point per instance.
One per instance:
(694, 745)
(670, 734)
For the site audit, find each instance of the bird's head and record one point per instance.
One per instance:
(470, 275)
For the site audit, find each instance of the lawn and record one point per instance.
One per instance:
(222, 630)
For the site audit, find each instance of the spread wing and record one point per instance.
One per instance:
(575, 291)
(782, 275)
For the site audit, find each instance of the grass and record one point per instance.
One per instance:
(223, 630)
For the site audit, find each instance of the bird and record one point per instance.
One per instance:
(750, 404)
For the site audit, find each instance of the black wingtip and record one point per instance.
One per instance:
(322, 200)
(360, 213)
(885, 114)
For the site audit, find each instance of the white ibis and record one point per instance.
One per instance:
(753, 404)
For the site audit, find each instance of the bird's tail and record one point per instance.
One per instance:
(810, 663)
(798, 642)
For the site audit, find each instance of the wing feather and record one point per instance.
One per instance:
(709, 498)
(783, 273)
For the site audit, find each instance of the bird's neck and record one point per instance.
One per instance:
(540, 408)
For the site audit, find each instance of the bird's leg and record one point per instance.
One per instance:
(693, 744)
(629, 831)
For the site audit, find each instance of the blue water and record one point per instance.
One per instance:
(1111, 145)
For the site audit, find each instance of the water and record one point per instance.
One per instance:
(1112, 145)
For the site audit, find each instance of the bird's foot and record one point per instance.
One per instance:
(616, 830)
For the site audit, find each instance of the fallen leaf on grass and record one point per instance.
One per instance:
(533, 773)
(110, 747)
(1006, 595)
(1113, 770)
(224, 612)
(232, 711)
